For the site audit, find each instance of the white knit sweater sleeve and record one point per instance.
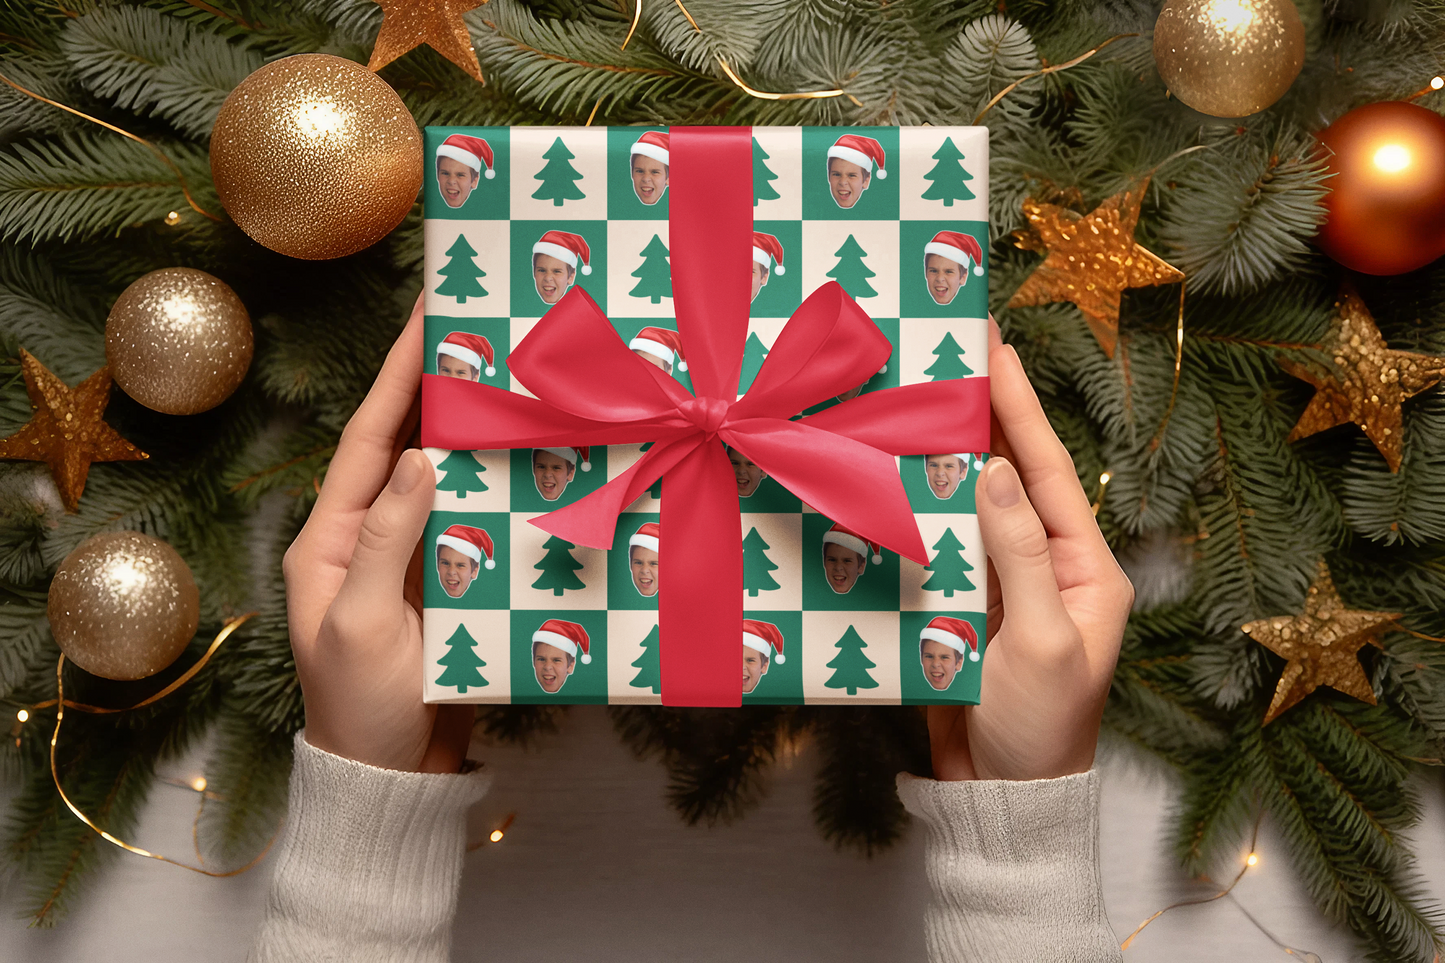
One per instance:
(1014, 869)
(368, 866)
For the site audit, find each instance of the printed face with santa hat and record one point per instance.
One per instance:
(460, 161)
(642, 558)
(845, 556)
(556, 647)
(948, 260)
(659, 346)
(767, 259)
(852, 162)
(762, 644)
(556, 258)
(944, 472)
(460, 550)
(748, 475)
(943, 646)
(554, 468)
(650, 164)
(466, 356)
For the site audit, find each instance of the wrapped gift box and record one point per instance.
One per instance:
(514, 218)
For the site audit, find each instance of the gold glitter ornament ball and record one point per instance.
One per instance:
(316, 157)
(179, 341)
(123, 605)
(1229, 58)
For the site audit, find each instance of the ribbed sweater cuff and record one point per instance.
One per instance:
(1014, 868)
(369, 863)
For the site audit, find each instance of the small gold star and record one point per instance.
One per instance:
(1091, 260)
(1369, 383)
(407, 24)
(1322, 645)
(66, 431)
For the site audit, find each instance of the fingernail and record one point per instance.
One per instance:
(1001, 483)
(406, 474)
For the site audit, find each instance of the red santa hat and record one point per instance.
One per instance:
(768, 251)
(570, 249)
(471, 348)
(964, 458)
(646, 536)
(764, 637)
(660, 343)
(957, 247)
(574, 455)
(848, 538)
(957, 634)
(567, 636)
(866, 152)
(652, 144)
(474, 543)
(472, 151)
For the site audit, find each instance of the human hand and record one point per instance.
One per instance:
(356, 638)
(1057, 604)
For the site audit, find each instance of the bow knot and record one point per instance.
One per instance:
(707, 413)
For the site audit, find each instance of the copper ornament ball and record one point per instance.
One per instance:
(123, 605)
(316, 157)
(1229, 58)
(179, 341)
(1386, 201)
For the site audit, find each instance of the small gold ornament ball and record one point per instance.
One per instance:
(1229, 58)
(316, 157)
(179, 341)
(123, 605)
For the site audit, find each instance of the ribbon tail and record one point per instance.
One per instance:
(700, 608)
(867, 496)
(944, 416)
(592, 520)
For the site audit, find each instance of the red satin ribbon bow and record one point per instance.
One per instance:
(592, 390)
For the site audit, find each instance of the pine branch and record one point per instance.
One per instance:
(860, 751)
(246, 781)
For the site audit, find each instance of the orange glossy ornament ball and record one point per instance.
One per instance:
(1387, 199)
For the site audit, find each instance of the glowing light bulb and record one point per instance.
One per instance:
(23, 715)
(173, 218)
(199, 784)
(1437, 82)
(1104, 478)
(1251, 860)
(1392, 158)
(496, 836)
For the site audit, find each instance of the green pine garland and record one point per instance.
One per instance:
(1205, 487)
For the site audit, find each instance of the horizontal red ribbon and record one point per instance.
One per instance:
(592, 390)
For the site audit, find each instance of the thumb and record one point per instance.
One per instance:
(389, 533)
(1016, 540)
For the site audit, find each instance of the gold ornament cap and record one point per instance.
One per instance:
(123, 605)
(1229, 58)
(178, 341)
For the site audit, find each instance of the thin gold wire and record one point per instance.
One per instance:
(61, 704)
(768, 95)
(180, 178)
(1055, 68)
(695, 27)
(636, 19)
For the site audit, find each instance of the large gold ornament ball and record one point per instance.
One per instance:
(316, 157)
(179, 341)
(1229, 58)
(123, 605)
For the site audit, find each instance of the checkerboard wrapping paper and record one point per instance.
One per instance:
(486, 275)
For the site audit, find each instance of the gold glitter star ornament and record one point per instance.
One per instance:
(66, 431)
(1322, 645)
(407, 24)
(1092, 258)
(1368, 385)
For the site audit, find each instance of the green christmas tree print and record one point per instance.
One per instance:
(948, 567)
(762, 190)
(558, 567)
(461, 273)
(948, 176)
(757, 565)
(649, 669)
(851, 664)
(654, 275)
(950, 361)
(558, 176)
(851, 272)
(754, 354)
(462, 662)
(462, 471)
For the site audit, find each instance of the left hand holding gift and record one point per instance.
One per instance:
(1057, 604)
(352, 590)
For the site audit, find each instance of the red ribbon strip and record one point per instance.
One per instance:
(592, 390)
